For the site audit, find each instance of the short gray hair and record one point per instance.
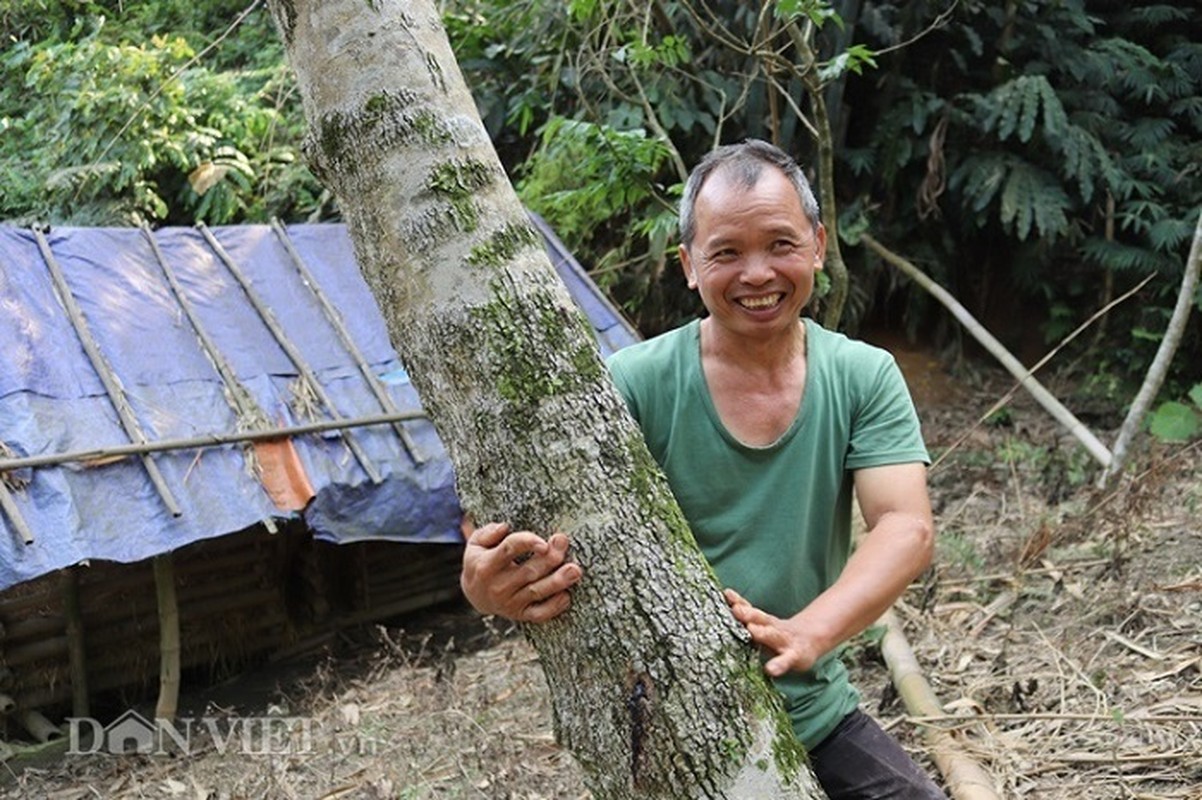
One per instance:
(746, 160)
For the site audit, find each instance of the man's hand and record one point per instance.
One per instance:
(517, 575)
(785, 640)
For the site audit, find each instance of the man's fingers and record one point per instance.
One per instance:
(775, 667)
(521, 546)
(546, 610)
(489, 535)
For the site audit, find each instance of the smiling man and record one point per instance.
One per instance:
(766, 426)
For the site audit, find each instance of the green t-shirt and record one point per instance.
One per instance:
(775, 521)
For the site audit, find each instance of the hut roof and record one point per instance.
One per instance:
(145, 376)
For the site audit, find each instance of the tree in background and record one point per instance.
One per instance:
(1036, 157)
(116, 113)
(624, 94)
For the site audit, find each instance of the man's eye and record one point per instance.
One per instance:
(726, 254)
(783, 246)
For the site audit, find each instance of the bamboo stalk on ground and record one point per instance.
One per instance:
(965, 778)
(40, 728)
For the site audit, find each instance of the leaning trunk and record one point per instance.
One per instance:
(655, 689)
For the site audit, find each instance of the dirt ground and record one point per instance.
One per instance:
(1060, 630)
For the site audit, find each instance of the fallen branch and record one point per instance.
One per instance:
(1053, 406)
(965, 778)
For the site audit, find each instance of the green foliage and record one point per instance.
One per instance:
(589, 179)
(583, 174)
(1174, 421)
(1045, 144)
(653, 89)
(958, 550)
(141, 129)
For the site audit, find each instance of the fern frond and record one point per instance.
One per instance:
(1014, 107)
(1032, 196)
(1138, 216)
(979, 178)
(1167, 235)
(1150, 17)
(1189, 108)
(1121, 257)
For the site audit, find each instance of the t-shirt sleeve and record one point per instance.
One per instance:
(885, 427)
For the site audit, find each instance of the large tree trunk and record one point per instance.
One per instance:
(655, 689)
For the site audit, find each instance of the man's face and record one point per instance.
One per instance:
(754, 254)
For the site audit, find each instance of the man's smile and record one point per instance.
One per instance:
(761, 302)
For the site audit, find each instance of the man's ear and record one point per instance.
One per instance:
(686, 264)
(820, 245)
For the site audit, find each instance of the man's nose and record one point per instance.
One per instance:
(757, 269)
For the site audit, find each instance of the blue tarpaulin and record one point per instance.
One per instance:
(169, 369)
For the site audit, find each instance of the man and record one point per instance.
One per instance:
(765, 423)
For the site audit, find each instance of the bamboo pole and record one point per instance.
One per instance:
(239, 398)
(286, 345)
(54, 647)
(38, 726)
(348, 343)
(1163, 358)
(207, 440)
(14, 514)
(112, 386)
(965, 778)
(76, 649)
(169, 643)
(1099, 451)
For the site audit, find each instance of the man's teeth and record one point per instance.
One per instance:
(760, 302)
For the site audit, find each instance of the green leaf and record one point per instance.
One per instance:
(1174, 422)
(1195, 394)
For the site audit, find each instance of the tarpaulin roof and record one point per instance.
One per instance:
(146, 356)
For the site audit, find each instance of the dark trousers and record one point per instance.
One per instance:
(859, 761)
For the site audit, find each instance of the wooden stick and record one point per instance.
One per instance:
(286, 345)
(1053, 406)
(14, 514)
(966, 780)
(38, 726)
(237, 395)
(344, 336)
(207, 440)
(169, 648)
(116, 394)
(76, 649)
(1160, 363)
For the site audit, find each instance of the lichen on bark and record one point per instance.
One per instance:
(457, 181)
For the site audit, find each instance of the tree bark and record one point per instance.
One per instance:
(833, 263)
(655, 688)
(1159, 368)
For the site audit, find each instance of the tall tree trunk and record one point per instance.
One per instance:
(834, 264)
(655, 689)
